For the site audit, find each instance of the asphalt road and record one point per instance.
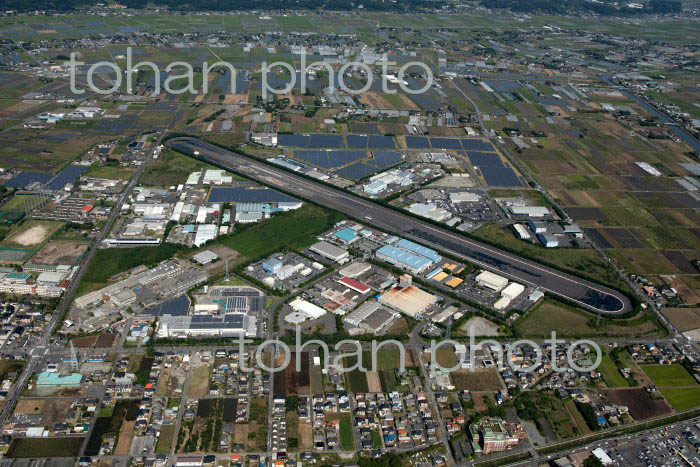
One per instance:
(585, 293)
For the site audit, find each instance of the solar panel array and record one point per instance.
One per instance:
(236, 304)
(67, 175)
(326, 141)
(25, 178)
(176, 307)
(490, 159)
(329, 159)
(357, 141)
(500, 176)
(445, 143)
(385, 159)
(424, 142)
(357, 171)
(336, 141)
(473, 144)
(382, 160)
(294, 141)
(228, 321)
(381, 142)
(493, 169)
(243, 300)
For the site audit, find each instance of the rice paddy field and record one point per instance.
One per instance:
(589, 163)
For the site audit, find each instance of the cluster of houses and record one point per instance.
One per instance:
(405, 420)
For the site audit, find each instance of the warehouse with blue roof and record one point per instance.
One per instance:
(405, 259)
(419, 250)
(346, 235)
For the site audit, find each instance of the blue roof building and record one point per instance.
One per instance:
(419, 250)
(49, 378)
(406, 259)
(346, 235)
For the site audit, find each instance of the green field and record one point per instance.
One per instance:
(552, 316)
(172, 168)
(675, 383)
(45, 447)
(611, 374)
(291, 230)
(165, 440)
(347, 439)
(388, 358)
(682, 398)
(23, 203)
(669, 375)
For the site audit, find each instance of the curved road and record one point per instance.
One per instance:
(585, 293)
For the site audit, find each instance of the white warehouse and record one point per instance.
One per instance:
(491, 281)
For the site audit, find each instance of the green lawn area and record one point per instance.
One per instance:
(376, 439)
(682, 398)
(292, 230)
(347, 439)
(551, 315)
(388, 358)
(23, 202)
(669, 375)
(167, 432)
(611, 374)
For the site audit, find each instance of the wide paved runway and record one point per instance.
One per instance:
(585, 293)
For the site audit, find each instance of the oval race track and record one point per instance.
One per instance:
(585, 293)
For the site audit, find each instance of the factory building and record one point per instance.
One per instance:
(409, 255)
(355, 285)
(522, 232)
(355, 269)
(431, 211)
(228, 325)
(346, 236)
(464, 197)
(302, 306)
(329, 251)
(371, 317)
(405, 259)
(205, 257)
(529, 211)
(272, 265)
(409, 300)
(513, 290)
(205, 232)
(548, 240)
(492, 281)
